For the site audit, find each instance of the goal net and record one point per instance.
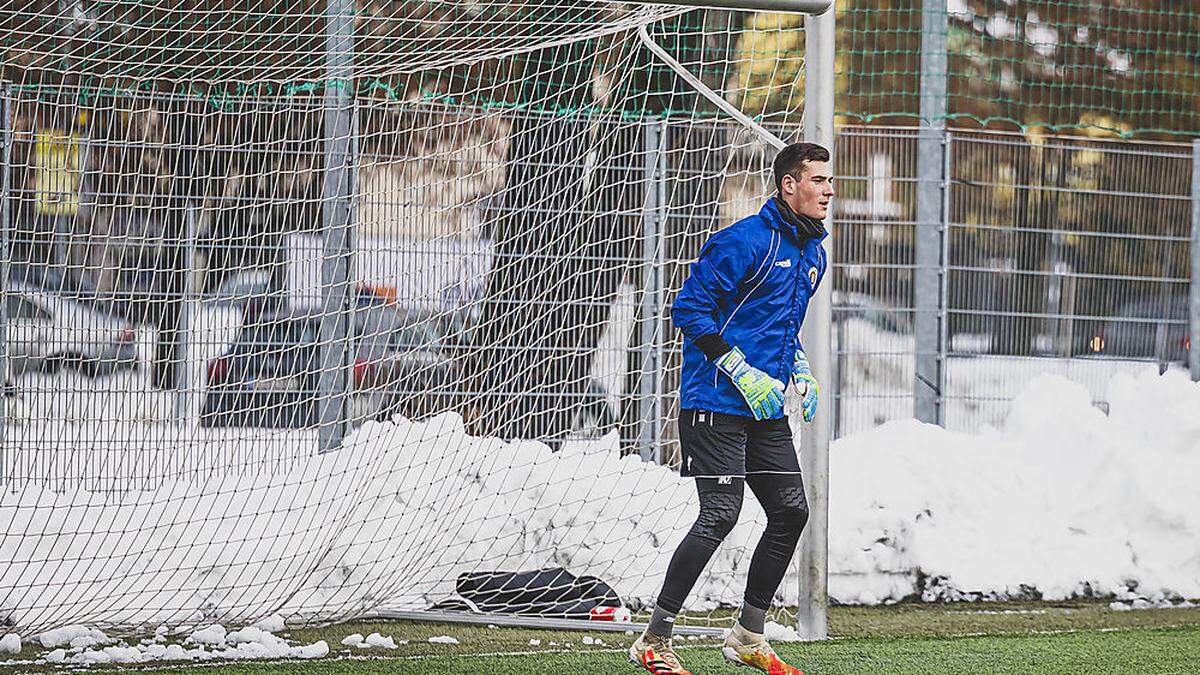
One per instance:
(327, 311)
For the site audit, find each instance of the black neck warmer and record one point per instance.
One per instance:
(806, 228)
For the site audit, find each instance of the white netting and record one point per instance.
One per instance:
(526, 183)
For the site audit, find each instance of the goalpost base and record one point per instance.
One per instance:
(515, 621)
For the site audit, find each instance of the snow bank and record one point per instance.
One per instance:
(1063, 500)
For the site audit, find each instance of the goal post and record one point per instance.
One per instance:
(431, 248)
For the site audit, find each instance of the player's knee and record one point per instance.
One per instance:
(719, 514)
(790, 513)
(791, 518)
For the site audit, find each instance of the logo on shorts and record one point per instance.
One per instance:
(725, 480)
(812, 276)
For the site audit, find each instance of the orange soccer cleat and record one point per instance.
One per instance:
(654, 655)
(750, 649)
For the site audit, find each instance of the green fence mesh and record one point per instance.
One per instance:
(1130, 67)
(1127, 67)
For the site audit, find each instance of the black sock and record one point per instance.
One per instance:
(662, 622)
(753, 618)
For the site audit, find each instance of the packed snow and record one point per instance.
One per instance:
(377, 640)
(89, 646)
(74, 635)
(1063, 501)
(775, 632)
(10, 644)
(353, 640)
(1057, 500)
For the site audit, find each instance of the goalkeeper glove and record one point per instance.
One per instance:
(763, 393)
(806, 385)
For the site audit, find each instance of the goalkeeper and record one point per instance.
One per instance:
(740, 311)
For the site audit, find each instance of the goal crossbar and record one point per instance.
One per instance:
(788, 6)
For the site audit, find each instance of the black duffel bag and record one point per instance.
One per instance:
(551, 593)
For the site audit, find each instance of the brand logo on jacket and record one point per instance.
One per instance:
(812, 276)
(783, 263)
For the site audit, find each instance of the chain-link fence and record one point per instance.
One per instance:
(1059, 255)
(142, 234)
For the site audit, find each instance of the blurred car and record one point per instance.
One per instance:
(48, 332)
(241, 287)
(849, 305)
(270, 375)
(1138, 330)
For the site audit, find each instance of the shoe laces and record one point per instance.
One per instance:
(662, 649)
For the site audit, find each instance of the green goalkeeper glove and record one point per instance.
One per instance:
(806, 385)
(763, 393)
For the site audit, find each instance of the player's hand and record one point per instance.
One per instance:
(763, 393)
(806, 385)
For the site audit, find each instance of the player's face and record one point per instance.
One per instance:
(810, 192)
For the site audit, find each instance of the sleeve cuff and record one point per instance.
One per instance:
(713, 345)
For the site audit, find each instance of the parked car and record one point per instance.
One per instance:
(48, 332)
(270, 374)
(1138, 330)
(849, 305)
(240, 288)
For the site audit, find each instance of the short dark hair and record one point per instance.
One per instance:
(791, 159)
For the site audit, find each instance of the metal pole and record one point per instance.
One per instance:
(928, 376)
(1194, 286)
(5, 215)
(812, 615)
(184, 394)
(660, 289)
(943, 315)
(647, 417)
(337, 216)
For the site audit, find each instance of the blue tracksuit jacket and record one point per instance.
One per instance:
(751, 286)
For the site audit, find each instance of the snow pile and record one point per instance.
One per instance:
(405, 507)
(75, 636)
(212, 642)
(353, 640)
(377, 640)
(1063, 501)
(271, 624)
(1141, 603)
(10, 644)
(212, 635)
(775, 632)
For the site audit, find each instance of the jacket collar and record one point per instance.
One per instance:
(782, 217)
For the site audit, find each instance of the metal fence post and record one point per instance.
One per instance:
(184, 348)
(647, 415)
(1194, 285)
(337, 216)
(927, 372)
(943, 316)
(5, 216)
(661, 327)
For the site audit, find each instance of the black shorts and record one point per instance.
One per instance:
(717, 445)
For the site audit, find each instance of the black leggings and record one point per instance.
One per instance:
(781, 496)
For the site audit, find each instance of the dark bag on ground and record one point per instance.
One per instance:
(551, 593)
